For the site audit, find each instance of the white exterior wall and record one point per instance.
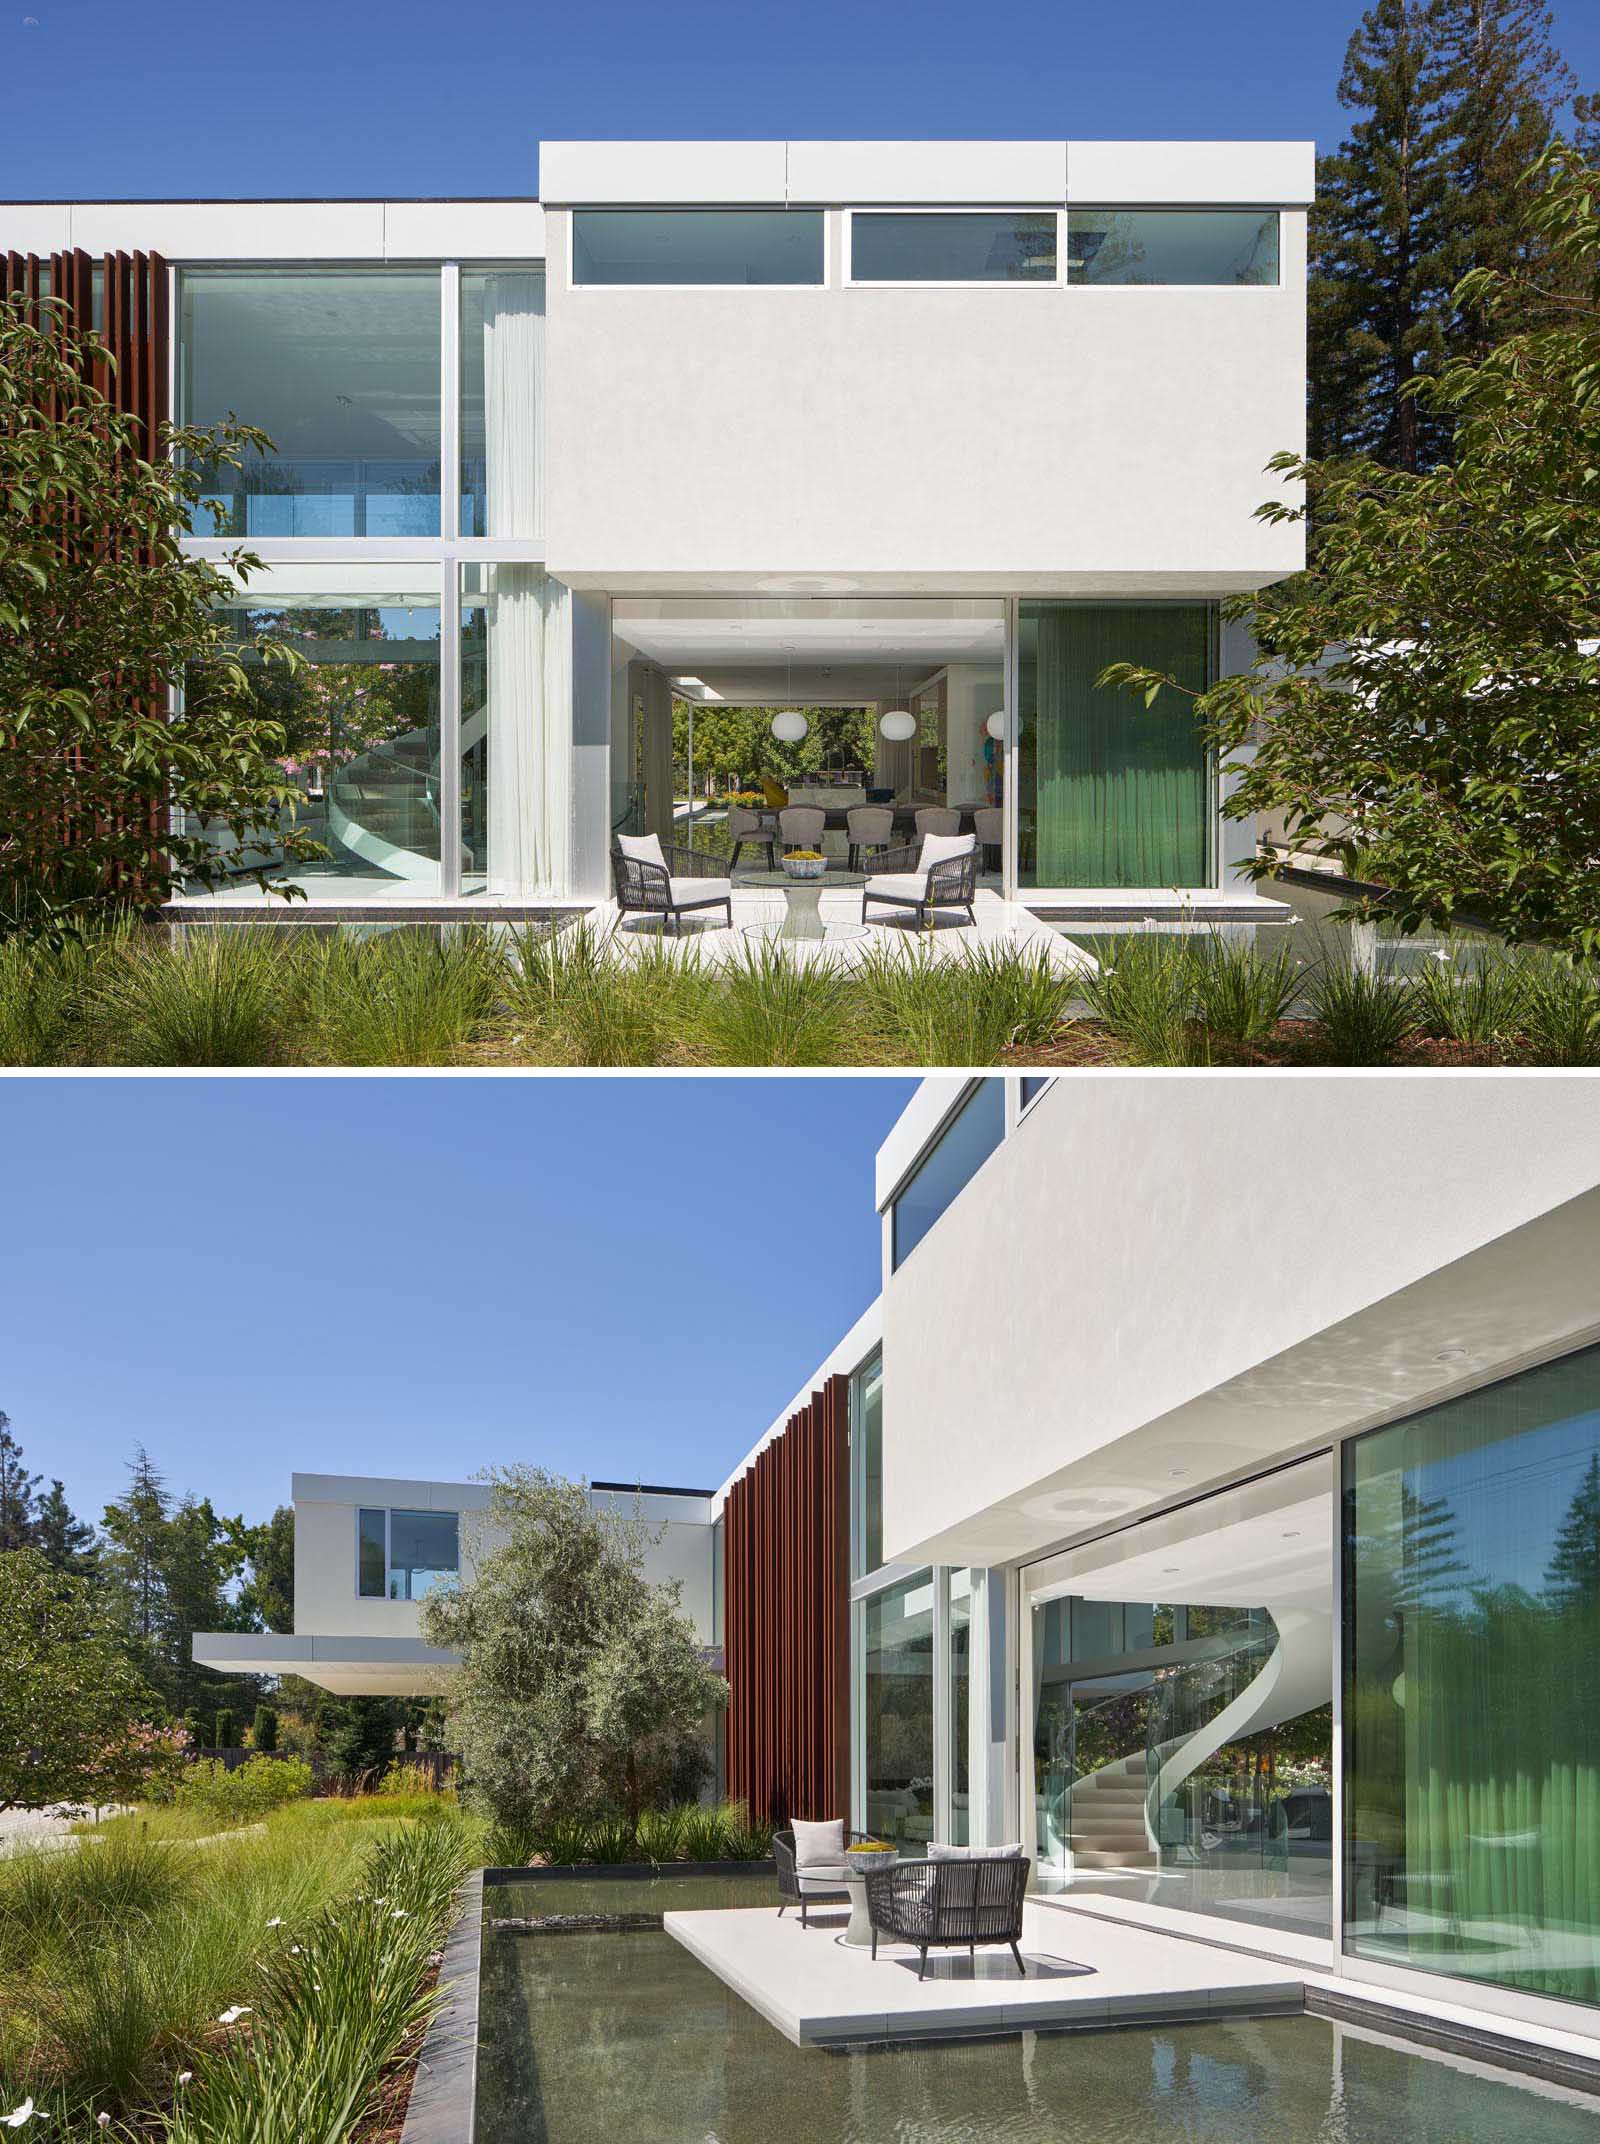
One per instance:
(1109, 1316)
(327, 1604)
(225, 231)
(1009, 438)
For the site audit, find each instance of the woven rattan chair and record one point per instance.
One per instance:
(669, 883)
(941, 1905)
(951, 882)
(795, 1886)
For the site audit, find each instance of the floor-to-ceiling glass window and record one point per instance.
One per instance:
(359, 716)
(428, 730)
(897, 1686)
(1112, 792)
(961, 1596)
(1181, 1707)
(340, 367)
(1471, 1727)
(866, 1447)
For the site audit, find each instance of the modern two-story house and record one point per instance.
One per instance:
(928, 430)
(1239, 1555)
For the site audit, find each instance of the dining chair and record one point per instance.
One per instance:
(800, 826)
(937, 819)
(868, 826)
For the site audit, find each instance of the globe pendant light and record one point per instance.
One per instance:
(790, 726)
(996, 724)
(898, 724)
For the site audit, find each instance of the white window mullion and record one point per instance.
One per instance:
(449, 729)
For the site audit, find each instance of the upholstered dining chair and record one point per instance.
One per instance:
(989, 822)
(750, 829)
(937, 819)
(800, 826)
(868, 826)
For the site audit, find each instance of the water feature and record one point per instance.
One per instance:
(624, 2037)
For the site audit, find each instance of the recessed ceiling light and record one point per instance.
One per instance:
(1293, 1534)
(1450, 1354)
(1170, 1570)
(1177, 1473)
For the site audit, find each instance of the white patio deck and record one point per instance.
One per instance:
(759, 911)
(1082, 1972)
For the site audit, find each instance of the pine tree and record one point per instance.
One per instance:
(1381, 263)
(1573, 1577)
(136, 1528)
(67, 1542)
(1507, 84)
(19, 1523)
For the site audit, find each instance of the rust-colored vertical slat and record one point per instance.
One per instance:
(786, 1616)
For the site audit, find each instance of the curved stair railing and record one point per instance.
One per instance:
(383, 805)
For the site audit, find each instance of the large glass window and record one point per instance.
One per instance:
(341, 368)
(962, 247)
(1172, 245)
(1472, 1692)
(1112, 792)
(866, 1439)
(962, 1587)
(515, 792)
(360, 716)
(1182, 1746)
(502, 397)
(372, 1555)
(697, 245)
(898, 1694)
(966, 1142)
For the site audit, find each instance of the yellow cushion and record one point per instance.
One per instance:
(774, 792)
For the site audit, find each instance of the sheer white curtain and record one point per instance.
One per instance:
(529, 624)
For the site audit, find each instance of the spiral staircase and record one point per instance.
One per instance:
(383, 805)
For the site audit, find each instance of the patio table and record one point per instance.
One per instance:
(802, 919)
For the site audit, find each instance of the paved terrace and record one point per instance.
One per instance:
(1082, 1971)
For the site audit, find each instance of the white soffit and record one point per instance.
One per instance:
(233, 231)
(1010, 174)
(599, 173)
(1213, 173)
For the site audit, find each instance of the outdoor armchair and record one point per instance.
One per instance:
(944, 1904)
(669, 883)
(796, 1885)
(946, 876)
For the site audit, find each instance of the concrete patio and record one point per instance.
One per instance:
(1081, 1972)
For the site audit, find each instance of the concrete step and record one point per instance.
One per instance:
(1099, 1857)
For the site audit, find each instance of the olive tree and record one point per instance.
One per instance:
(582, 1690)
(102, 613)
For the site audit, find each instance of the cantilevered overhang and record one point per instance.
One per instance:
(348, 1667)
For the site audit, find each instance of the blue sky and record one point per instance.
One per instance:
(624, 1278)
(169, 97)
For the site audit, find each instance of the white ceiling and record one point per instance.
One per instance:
(699, 637)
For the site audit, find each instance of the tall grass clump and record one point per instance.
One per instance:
(402, 997)
(772, 1006)
(47, 996)
(1143, 994)
(1480, 1005)
(966, 1009)
(1239, 992)
(326, 2023)
(1559, 1014)
(1362, 1017)
(218, 994)
(575, 997)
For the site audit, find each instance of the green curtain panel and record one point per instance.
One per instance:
(1472, 1788)
(1122, 792)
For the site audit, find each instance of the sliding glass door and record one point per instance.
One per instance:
(1111, 792)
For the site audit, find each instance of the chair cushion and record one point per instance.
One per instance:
(898, 885)
(819, 1846)
(820, 1879)
(975, 1853)
(941, 848)
(642, 849)
(688, 890)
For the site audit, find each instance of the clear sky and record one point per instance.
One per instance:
(172, 97)
(617, 1278)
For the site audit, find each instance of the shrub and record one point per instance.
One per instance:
(227, 1729)
(264, 1728)
(1478, 1005)
(405, 997)
(221, 995)
(572, 998)
(1560, 1010)
(1143, 994)
(413, 1779)
(925, 1009)
(259, 1784)
(1362, 1017)
(1240, 993)
(772, 1006)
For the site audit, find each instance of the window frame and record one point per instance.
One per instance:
(365, 1510)
(698, 208)
(851, 281)
(973, 1093)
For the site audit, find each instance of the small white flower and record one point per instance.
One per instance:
(104, 2120)
(399, 1914)
(276, 1921)
(436, 1957)
(19, 2115)
(184, 2076)
(294, 1950)
(232, 2017)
